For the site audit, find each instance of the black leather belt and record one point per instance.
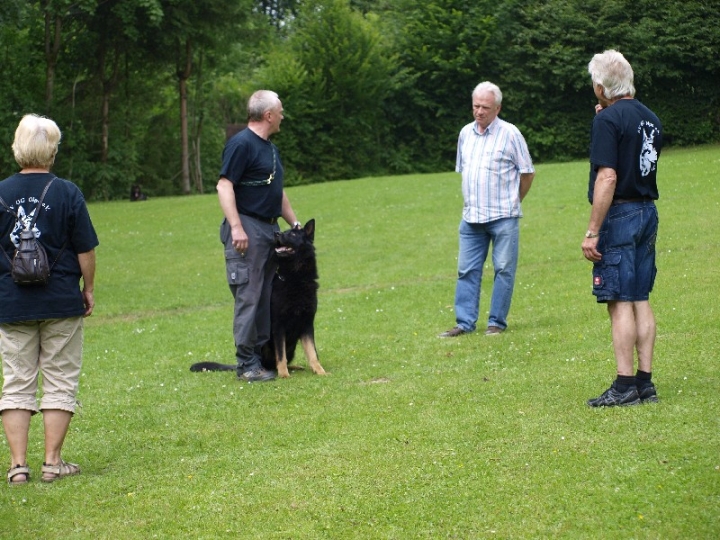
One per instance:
(270, 220)
(639, 199)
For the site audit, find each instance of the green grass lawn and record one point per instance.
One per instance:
(409, 436)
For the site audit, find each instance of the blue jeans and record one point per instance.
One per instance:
(475, 240)
(627, 270)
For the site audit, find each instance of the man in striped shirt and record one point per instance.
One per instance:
(497, 173)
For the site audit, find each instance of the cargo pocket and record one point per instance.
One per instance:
(606, 277)
(236, 268)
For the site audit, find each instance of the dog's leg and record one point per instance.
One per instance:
(308, 343)
(281, 362)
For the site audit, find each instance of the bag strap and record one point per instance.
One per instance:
(39, 206)
(37, 213)
(37, 210)
(2, 201)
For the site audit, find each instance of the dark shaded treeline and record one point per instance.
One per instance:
(144, 90)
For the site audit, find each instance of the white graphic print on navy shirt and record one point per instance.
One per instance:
(648, 153)
(22, 223)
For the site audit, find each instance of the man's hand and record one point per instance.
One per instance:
(239, 238)
(589, 247)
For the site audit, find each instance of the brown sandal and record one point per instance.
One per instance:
(18, 470)
(50, 473)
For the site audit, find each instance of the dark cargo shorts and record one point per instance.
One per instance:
(627, 270)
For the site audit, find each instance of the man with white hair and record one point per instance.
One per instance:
(620, 240)
(497, 173)
(252, 198)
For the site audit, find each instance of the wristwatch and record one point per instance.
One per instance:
(591, 234)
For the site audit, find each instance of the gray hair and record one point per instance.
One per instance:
(613, 72)
(36, 142)
(261, 102)
(487, 86)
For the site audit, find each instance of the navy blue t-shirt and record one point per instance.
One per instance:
(63, 220)
(248, 159)
(627, 137)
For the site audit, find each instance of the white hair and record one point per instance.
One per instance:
(261, 102)
(614, 73)
(487, 86)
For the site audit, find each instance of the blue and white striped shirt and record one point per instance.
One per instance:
(491, 164)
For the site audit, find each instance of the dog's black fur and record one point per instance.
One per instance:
(293, 304)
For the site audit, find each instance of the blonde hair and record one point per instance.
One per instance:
(614, 73)
(36, 142)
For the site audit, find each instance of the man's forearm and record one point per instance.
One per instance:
(602, 197)
(526, 180)
(226, 196)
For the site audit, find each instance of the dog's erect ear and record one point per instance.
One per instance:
(310, 229)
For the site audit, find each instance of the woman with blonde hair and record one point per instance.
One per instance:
(41, 326)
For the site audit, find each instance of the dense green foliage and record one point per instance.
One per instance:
(333, 75)
(409, 437)
(542, 49)
(144, 90)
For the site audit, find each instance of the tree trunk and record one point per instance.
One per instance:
(197, 132)
(183, 76)
(108, 86)
(53, 27)
(105, 123)
(198, 166)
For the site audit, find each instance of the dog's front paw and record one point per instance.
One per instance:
(318, 370)
(283, 373)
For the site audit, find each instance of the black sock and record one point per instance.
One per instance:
(643, 378)
(624, 382)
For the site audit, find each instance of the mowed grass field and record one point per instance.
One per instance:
(409, 436)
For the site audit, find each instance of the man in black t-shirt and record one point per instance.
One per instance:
(625, 147)
(252, 198)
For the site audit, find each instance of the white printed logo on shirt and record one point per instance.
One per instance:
(22, 223)
(648, 153)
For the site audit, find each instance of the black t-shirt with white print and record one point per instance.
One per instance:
(63, 227)
(627, 137)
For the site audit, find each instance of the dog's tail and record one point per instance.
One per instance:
(212, 366)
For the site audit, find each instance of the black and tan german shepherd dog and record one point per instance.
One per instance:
(293, 304)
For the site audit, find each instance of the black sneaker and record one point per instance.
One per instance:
(257, 375)
(647, 393)
(613, 397)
